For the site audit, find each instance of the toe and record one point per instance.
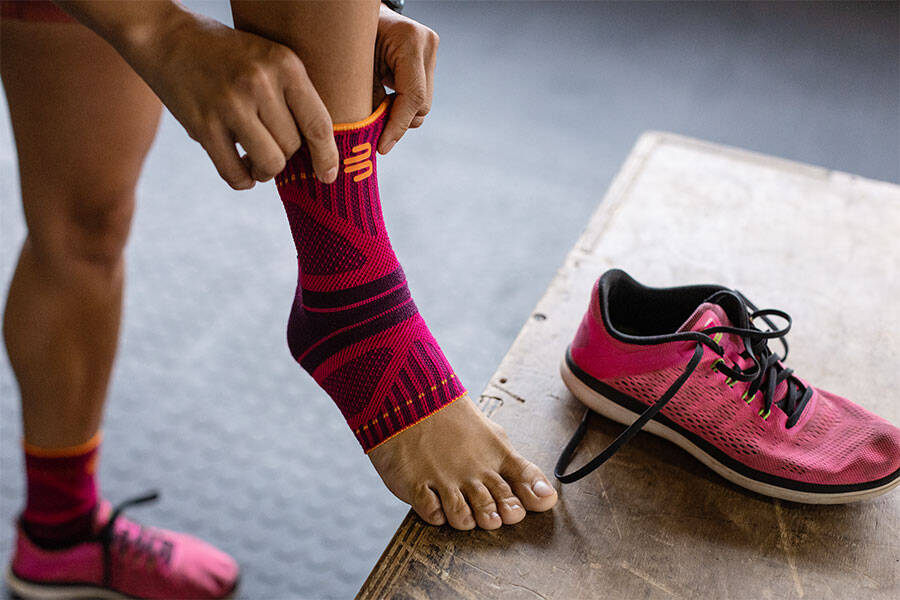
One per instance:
(481, 502)
(508, 504)
(529, 484)
(456, 508)
(428, 506)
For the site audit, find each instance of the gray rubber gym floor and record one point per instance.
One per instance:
(537, 105)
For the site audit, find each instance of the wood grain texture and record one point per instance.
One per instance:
(653, 522)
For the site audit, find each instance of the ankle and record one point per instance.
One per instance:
(56, 536)
(62, 493)
(317, 318)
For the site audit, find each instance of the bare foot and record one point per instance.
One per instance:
(458, 466)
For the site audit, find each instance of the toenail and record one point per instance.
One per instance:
(494, 515)
(514, 507)
(542, 488)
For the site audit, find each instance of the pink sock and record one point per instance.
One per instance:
(354, 326)
(62, 492)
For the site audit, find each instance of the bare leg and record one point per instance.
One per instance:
(335, 41)
(83, 122)
(455, 466)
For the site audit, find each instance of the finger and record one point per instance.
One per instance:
(266, 157)
(417, 121)
(315, 124)
(277, 118)
(430, 62)
(220, 148)
(411, 98)
(378, 93)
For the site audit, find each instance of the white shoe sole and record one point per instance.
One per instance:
(28, 590)
(612, 410)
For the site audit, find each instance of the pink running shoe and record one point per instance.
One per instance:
(123, 560)
(688, 364)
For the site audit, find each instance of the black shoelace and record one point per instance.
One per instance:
(765, 374)
(147, 542)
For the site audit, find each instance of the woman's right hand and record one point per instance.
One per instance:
(226, 86)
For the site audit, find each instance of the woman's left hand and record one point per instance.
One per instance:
(404, 61)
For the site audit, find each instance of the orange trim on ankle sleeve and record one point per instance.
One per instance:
(82, 448)
(395, 434)
(368, 120)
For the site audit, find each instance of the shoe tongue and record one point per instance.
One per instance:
(709, 315)
(705, 316)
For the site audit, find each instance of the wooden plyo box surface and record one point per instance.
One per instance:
(653, 522)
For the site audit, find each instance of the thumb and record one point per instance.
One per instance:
(403, 111)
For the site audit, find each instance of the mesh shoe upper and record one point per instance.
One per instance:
(833, 442)
(143, 562)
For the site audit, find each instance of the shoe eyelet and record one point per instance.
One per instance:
(765, 414)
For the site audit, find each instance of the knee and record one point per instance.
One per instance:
(87, 229)
(98, 230)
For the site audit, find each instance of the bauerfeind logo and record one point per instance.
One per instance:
(359, 161)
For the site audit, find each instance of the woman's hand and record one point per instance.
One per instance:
(226, 87)
(404, 61)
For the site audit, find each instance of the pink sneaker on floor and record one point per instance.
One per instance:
(124, 560)
(687, 364)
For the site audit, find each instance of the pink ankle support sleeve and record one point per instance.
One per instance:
(354, 326)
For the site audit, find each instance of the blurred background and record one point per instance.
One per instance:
(536, 107)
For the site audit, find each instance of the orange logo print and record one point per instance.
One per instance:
(360, 161)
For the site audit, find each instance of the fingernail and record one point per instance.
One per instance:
(330, 175)
(494, 515)
(542, 488)
(388, 146)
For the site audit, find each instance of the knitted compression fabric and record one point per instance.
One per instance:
(62, 493)
(353, 325)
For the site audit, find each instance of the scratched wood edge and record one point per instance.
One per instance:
(400, 551)
(395, 559)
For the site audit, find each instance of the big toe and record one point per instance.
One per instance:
(529, 484)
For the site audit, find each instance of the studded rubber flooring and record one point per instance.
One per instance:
(535, 110)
